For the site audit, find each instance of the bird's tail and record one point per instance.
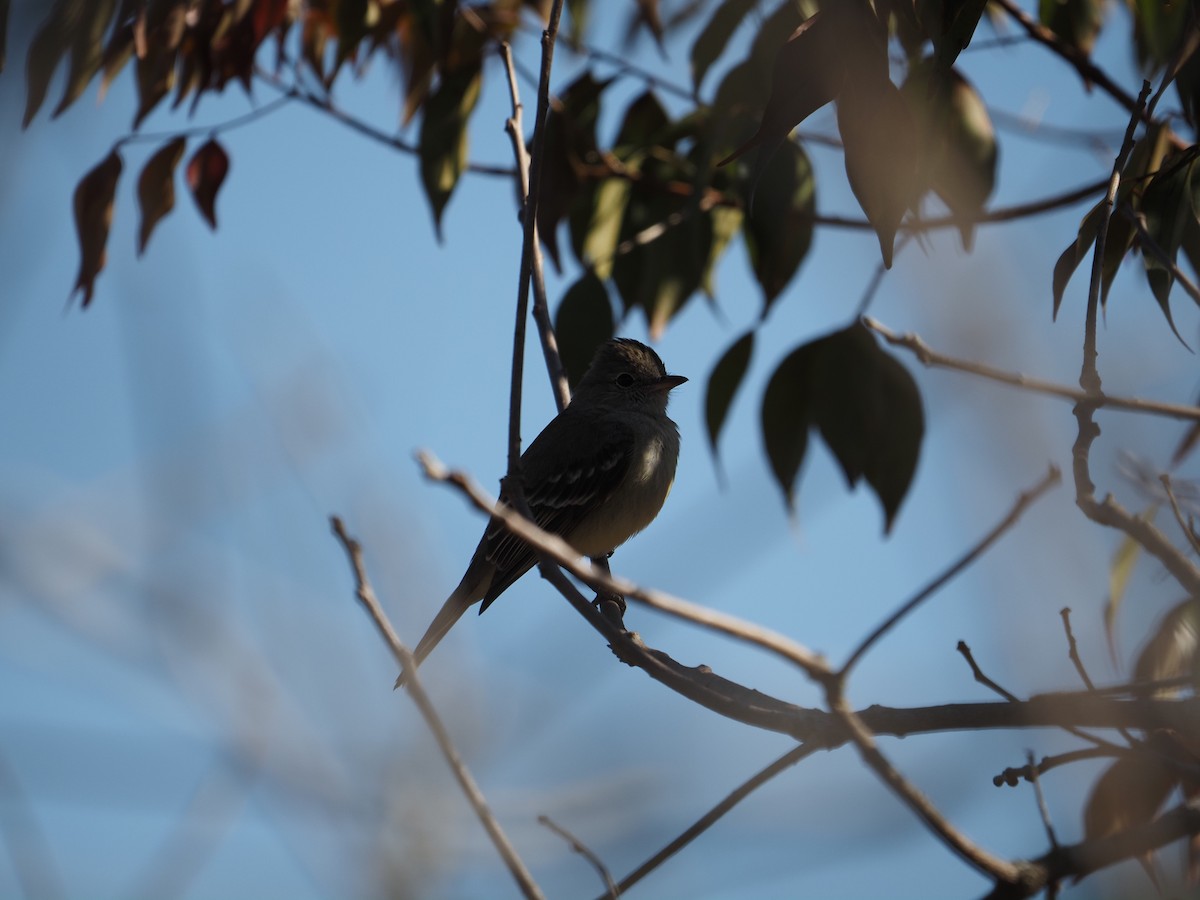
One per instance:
(469, 592)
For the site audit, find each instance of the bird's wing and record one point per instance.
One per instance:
(560, 493)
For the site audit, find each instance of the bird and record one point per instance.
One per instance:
(596, 475)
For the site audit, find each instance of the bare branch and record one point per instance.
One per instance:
(403, 656)
(706, 821)
(981, 677)
(929, 357)
(579, 847)
(966, 849)
(541, 307)
(1043, 809)
(1024, 500)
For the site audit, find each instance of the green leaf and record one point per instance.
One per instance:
(779, 227)
(786, 417)
(670, 240)
(1077, 22)
(808, 73)
(1070, 259)
(443, 144)
(881, 151)
(953, 33)
(1120, 571)
(583, 321)
(595, 224)
(723, 384)
(865, 405)
(93, 204)
(959, 152)
(726, 223)
(1168, 205)
(1157, 27)
(712, 40)
(156, 187)
(644, 121)
(570, 145)
(868, 410)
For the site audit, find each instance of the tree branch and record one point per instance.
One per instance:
(932, 358)
(403, 656)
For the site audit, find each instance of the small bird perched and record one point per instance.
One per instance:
(597, 475)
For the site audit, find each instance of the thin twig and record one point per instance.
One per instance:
(981, 677)
(1013, 698)
(1024, 500)
(529, 249)
(1014, 776)
(261, 112)
(1082, 63)
(932, 358)
(710, 818)
(579, 847)
(325, 105)
(1188, 532)
(1073, 649)
(541, 307)
(975, 856)
(366, 596)
(1043, 809)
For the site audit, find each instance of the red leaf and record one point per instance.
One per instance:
(206, 171)
(156, 187)
(93, 216)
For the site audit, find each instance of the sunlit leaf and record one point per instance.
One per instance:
(156, 187)
(723, 384)
(569, 146)
(880, 143)
(1119, 572)
(726, 223)
(671, 242)
(443, 142)
(596, 224)
(779, 227)
(712, 40)
(206, 172)
(583, 322)
(93, 217)
(958, 142)
(1173, 649)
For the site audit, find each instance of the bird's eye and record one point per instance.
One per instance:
(624, 380)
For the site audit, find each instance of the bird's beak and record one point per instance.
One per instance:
(667, 383)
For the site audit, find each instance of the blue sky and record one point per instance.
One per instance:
(186, 683)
